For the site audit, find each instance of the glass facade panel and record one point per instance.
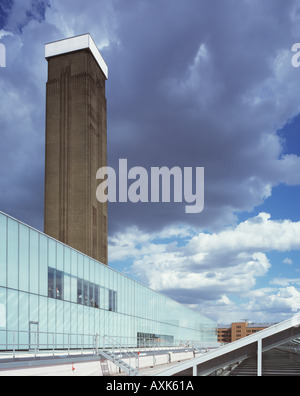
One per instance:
(60, 257)
(96, 296)
(59, 285)
(34, 262)
(74, 325)
(43, 265)
(112, 301)
(34, 308)
(59, 324)
(67, 287)
(86, 268)
(43, 322)
(12, 310)
(85, 293)
(24, 258)
(12, 315)
(12, 254)
(3, 249)
(68, 298)
(67, 323)
(3, 305)
(51, 321)
(80, 291)
(52, 253)
(67, 261)
(80, 266)
(102, 298)
(23, 320)
(74, 289)
(51, 282)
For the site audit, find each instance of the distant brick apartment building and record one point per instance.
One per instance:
(236, 331)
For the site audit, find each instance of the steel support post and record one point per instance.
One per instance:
(259, 358)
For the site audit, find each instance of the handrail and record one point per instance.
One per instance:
(115, 344)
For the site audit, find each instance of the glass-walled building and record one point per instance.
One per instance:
(56, 297)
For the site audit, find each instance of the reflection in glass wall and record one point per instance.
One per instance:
(51, 283)
(70, 298)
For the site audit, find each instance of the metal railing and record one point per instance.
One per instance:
(119, 353)
(36, 342)
(14, 341)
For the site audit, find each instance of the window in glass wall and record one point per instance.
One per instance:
(74, 289)
(51, 282)
(79, 291)
(59, 285)
(85, 293)
(91, 294)
(65, 287)
(102, 298)
(55, 284)
(96, 296)
(112, 301)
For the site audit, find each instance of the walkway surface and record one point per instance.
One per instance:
(276, 362)
(64, 363)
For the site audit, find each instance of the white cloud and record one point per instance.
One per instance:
(3, 33)
(285, 281)
(210, 267)
(259, 233)
(285, 301)
(267, 305)
(134, 243)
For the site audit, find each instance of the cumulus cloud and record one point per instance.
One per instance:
(205, 267)
(267, 305)
(285, 301)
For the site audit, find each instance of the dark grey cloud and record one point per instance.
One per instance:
(197, 85)
(5, 7)
(190, 84)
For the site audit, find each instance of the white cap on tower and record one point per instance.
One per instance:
(76, 43)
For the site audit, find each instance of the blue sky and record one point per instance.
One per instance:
(191, 84)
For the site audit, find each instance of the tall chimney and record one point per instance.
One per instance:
(76, 145)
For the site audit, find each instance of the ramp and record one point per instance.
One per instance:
(240, 350)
